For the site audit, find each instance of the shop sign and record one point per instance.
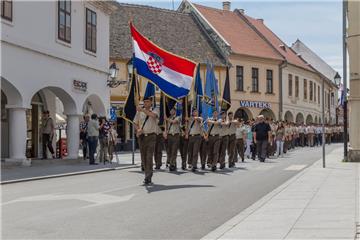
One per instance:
(79, 85)
(254, 104)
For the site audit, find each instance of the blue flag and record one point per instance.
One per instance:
(198, 92)
(210, 99)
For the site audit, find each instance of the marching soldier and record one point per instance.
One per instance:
(213, 140)
(311, 133)
(183, 146)
(224, 139)
(159, 146)
(145, 125)
(203, 149)
(232, 140)
(173, 138)
(194, 133)
(241, 137)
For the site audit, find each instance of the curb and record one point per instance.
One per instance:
(67, 174)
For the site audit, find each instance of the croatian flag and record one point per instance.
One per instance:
(171, 73)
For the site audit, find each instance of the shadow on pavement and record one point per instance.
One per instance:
(159, 187)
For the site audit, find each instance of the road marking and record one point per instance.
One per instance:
(295, 167)
(96, 199)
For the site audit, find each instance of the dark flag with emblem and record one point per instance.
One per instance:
(150, 92)
(169, 104)
(131, 101)
(226, 99)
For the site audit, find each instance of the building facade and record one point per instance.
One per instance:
(353, 41)
(326, 73)
(254, 72)
(174, 31)
(61, 55)
(288, 86)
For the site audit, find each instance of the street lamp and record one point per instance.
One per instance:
(113, 73)
(337, 79)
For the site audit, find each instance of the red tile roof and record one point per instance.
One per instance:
(276, 42)
(241, 37)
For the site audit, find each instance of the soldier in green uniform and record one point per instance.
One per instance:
(224, 139)
(173, 138)
(194, 132)
(213, 139)
(232, 139)
(145, 125)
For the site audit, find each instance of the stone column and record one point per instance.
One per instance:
(353, 42)
(17, 134)
(73, 136)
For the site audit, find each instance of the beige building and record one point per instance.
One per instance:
(174, 31)
(254, 72)
(267, 77)
(353, 42)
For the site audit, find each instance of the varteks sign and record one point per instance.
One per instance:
(254, 104)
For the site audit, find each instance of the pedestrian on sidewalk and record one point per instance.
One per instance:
(48, 130)
(93, 135)
(112, 140)
(104, 129)
(262, 133)
(84, 135)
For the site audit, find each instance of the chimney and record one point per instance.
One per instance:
(260, 20)
(242, 11)
(226, 5)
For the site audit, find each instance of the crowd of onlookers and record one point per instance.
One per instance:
(96, 130)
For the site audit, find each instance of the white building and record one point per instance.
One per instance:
(51, 50)
(328, 74)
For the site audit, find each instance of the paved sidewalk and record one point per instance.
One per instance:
(315, 204)
(59, 167)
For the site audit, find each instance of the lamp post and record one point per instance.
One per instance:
(344, 27)
(113, 73)
(323, 121)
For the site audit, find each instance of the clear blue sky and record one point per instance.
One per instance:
(317, 23)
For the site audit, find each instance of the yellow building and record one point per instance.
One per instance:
(353, 42)
(174, 31)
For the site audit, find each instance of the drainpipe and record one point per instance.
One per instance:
(281, 67)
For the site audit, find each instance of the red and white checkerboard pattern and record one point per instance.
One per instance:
(153, 65)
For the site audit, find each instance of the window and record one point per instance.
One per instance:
(311, 90)
(290, 86)
(314, 92)
(90, 38)
(64, 20)
(319, 94)
(255, 79)
(332, 99)
(269, 81)
(296, 86)
(305, 89)
(239, 78)
(7, 9)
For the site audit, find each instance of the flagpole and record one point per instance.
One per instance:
(164, 107)
(133, 128)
